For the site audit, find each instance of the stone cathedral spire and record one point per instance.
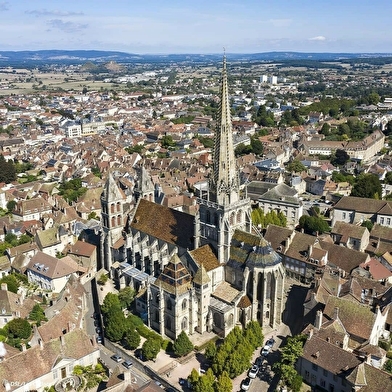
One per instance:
(224, 210)
(224, 184)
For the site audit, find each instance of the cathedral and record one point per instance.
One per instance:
(208, 272)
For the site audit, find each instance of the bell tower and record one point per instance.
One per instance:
(222, 210)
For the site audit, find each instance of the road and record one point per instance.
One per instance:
(266, 380)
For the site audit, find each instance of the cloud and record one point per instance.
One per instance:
(317, 38)
(45, 12)
(67, 27)
(4, 6)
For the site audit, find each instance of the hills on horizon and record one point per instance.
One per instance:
(8, 58)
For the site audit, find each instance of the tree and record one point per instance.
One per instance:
(12, 283)
(7, 170)
(210, 350)
(167, 141)
(368, 224)
(367, 186)
(126, 296)
(19, 328)
(193, 377)
(223, 383)
(254, 334)
(37, 314)
(182, 345)
(11, 205)
(340, 157)
(205, 383)
(151, 348)
(295, 166)
(285, 368)
(313, 224)
(115, 325)
(257, 146)
(132, 338)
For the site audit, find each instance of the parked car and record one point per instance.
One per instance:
(116, 358)
(253, 371)
(98, 330)
(259, 361)
(245, 384)
(265, 350)
(270, 342)
(99, 339)
(127, 364)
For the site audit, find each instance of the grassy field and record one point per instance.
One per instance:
(31, 81)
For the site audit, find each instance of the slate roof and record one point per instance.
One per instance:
(251, 250)
(172, 226)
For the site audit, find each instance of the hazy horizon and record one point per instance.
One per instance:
(202, 27)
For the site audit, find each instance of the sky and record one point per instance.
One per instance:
(198, 26)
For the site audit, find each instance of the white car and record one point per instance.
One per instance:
(253, 371)
(265, 351)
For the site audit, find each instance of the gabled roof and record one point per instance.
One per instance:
(37, 362)
(51, 267)
(357, 319)
(204, 256)
(172, 226)
(360, 204)
(329, 356)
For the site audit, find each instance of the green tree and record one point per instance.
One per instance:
(11, 205)
(295, 166)
(223, 383)
(193, 377)
(115, 325)
(368, 224)
(126, 296)
(205, 383)
(313, 224)
(18, 328)
(151, 348)
(167, 141)
(210, 350)
(257, 146)
(285, 368)
(7, 170)
(388, 366)
(254, 334)
(340, 157)
(132, 338)
(37, 314)
(367, 186)
(388, 178)
(182, 345)
(12, 283)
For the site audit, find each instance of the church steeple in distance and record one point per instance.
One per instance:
(224, 184)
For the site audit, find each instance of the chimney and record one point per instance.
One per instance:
(336, 313)
(319, 319)
(4, 286)
(41, 344)
(23, 347)
(62, 340)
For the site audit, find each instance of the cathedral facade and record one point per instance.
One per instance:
(208, 272)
